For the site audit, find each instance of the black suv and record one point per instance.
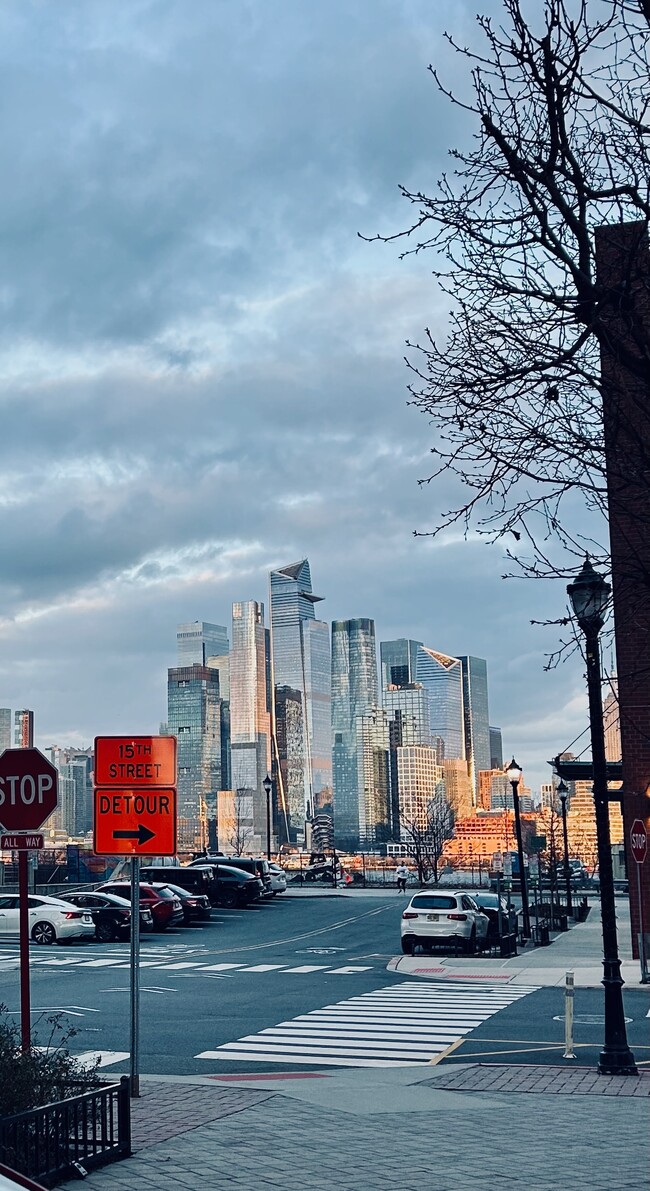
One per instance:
(225, 886)
(256, 866)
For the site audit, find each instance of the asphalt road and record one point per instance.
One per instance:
(296, 984)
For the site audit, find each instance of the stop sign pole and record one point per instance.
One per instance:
(639, 849)
(29, 793)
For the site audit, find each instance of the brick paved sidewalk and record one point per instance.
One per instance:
(165, 1110)
(577, 1081)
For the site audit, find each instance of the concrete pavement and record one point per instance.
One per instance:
(453, 1127)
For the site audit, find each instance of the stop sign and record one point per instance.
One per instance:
(28, 789)
(638, 840)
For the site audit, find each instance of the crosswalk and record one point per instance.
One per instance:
(178, 964)
(399, 1025)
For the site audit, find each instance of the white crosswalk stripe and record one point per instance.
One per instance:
(169, 962)
(396, 1026)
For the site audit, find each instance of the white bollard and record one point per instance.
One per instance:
(569, 1052)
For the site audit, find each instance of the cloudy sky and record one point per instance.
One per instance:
(201, 363)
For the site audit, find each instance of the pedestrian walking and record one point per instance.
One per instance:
(402, 874)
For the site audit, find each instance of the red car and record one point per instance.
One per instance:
(165, 906)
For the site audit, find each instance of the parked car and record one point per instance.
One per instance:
(111, 915)
(256, 866)
(51, 919)
(489, 904)
(196, 906)
(442, 918)
(166, 909)
(278, 879)
(223, 885)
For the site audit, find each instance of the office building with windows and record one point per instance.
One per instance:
(442, 678)
(250, 711)
(196, 717)
(420, 781)
(398, 661)
(407, 710)
(198, 641)
(496, 749)
(24, 729)
(300, 653)
(476, 716)
(354, 692)
(5, 728)
(373, 778)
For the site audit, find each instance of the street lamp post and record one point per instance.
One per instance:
(589, 594)
(268, 786)
(513, 773)
(563, 790)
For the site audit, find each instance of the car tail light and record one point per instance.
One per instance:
(72, 914)
(458, 917)
(409, 914)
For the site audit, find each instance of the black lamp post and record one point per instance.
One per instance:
(589, 594)
(562, 791)
(268, 786)
(513, 773)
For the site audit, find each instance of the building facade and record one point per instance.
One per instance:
(373, 778)
(476, 716)
(496, 749)
(442, 678)
(5, 728)
(198, 641)
(195, 716)
(354, 692)
(24, 729)
(250, 712)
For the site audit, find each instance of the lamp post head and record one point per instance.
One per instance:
(268, 785)
(589, 594)
(562, 790)
(513, 772)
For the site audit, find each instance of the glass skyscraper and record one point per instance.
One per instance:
(441, 676)
(194, 715)
(250, 717)
(373, 777)
(301, 663)
(398, 662)
(476, 716)
(5, 728)
(198, 641)
(354, 692)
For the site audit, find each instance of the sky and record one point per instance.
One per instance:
(202, 362)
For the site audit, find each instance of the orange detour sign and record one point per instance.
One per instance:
(148, 761)
(135, 796)
(135, 822)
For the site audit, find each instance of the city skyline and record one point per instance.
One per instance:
(201, 363)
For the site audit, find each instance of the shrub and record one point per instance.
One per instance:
(46, 1073)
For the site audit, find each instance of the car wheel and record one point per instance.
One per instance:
(44, 933)
(407, 946)
(105, 932)
(229, 900)
(470, 944)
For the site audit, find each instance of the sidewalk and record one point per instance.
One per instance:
(444, 1127)
(578, 950)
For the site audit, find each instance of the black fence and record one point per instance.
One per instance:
(69, 1136)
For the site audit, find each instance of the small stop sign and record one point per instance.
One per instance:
(28, 789)
(638, 840)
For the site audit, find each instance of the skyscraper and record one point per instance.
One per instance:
(198, 641)
(476, 716)
(398, 661)
(354, 691)
(250, 717)
(441, 676)
(496, 749)
(5, 728)
(373, 777)
(301, 663)
(194, 715)
(407, 709)
(24, 729)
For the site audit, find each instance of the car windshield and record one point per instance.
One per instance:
(433, 901)
(487, 899)
(166, 892)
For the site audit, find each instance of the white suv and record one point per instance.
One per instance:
(278, 878)
(443, 917)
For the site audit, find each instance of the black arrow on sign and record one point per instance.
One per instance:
(142, 834)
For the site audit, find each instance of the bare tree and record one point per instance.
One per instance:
(559, 103)
(424, 838)
(238, 830)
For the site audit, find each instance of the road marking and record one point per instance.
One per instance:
(307, 968)
(263, 968)
(103, 1058)
(395, 1026)
(220, 967)
(445, 1053)
(347, 971)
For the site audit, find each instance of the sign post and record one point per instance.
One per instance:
(135, 815)
(639, 847)
(29, 794)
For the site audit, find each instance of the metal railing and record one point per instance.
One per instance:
(68, 1136)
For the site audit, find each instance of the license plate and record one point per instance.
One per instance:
(86, 918)
(432, 917)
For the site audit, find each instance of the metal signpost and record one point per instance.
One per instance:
(135, 815)
(29, 793)
(639, 846)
